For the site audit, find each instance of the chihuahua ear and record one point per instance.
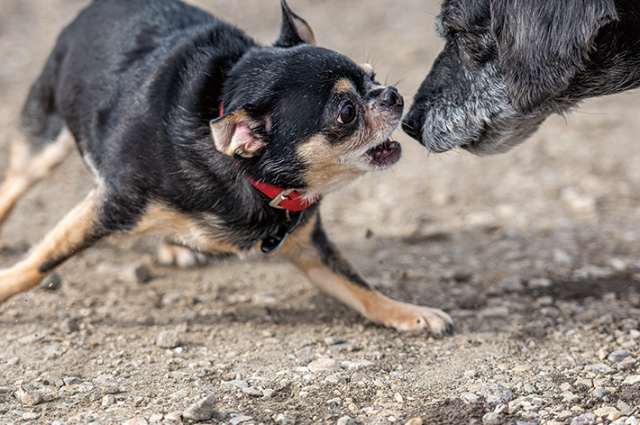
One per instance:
(232, 135)
(295, 30)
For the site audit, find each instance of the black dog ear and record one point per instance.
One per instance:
(294, 30)
(234, 134)
(542, 44)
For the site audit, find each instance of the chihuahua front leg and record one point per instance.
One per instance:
(310, 249)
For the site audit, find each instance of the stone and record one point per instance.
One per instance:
(608, 412)
(491, 418)
(512, 284)
(136, 421)
(283, 419)
(570, 397)
(625, 408)
(583, 420)
(202, 410)
(69, 326)
(253, 392)
(631, 380)
(600, 392)
(470, 397)
(618, 356)
(240, 384)
(29, 398)
(173, 417)
(139, 273)
(108, 400)
(52, 282)
(238, 419)
(324, 364)
(414, 421)
(156, 418)
(495, 394)
(346, 420)
(168, 339)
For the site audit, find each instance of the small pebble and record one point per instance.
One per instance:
(570, 397)
(51, 282)
(136, 421)
(235, 420)
(156, 418)
(30, 416)
(491, 418)
(108, 400)
(253, 392)
(414, 421)
(470, 397)
(30, 398)
(631, 380)
(168, 339)
(625, 408)
(608, 412)
(69, 326)
(173, 417)
(511, 284)
(345, 420)
(202, 410)
(281, 418)
(320, 365)
(600, 392)
(140, 274)
(495, 394)
(618, 356)
(583, 420)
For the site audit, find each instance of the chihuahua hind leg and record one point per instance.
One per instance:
(30, 162)
(170, 254)
(79, 229)
(310, 250)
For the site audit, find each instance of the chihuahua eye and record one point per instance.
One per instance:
(347, 113)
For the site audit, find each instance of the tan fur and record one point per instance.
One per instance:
(368, 302)
(27, 168)
(328, 167)
(343, 86)
(185, 230)
(66, 237)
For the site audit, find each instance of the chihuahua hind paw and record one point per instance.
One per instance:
(179, 256)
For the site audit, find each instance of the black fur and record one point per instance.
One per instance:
(508, 65)
(139, 100)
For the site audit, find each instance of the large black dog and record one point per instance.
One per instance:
(507, 65)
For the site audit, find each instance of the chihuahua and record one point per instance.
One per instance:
(190, 127)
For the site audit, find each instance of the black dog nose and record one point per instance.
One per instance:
(391, 97)
(411, 126)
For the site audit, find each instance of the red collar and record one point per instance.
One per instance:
(286, 199)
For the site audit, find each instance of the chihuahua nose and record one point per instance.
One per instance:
(391, 98)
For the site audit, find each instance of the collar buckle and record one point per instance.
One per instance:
(283, 196)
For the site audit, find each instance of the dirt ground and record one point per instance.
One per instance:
(535, 254)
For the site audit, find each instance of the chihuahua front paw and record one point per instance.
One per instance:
(179, 256)
(410, 317)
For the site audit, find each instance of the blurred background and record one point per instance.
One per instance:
(490, 240)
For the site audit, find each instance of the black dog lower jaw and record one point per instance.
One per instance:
(144, 113)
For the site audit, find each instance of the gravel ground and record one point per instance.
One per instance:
(534, 253)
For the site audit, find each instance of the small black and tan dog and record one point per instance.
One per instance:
(189, 126)
(507, 65)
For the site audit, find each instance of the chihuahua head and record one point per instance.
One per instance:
(300, 116)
